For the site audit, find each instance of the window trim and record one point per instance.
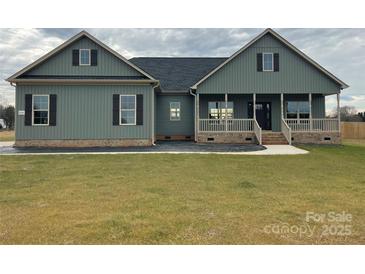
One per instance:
(89, 64)
(263, 61)
(172, 118)
(135, 110)
(219, 109)
(297, 110)
(38, 95)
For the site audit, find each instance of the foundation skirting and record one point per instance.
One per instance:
(227, 137)
(84, 143)
(316, 138)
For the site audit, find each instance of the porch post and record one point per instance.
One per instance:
(338, 112)
(226, 103)
(310, 112)
(282, 105)
(254, 106)
(197, 115)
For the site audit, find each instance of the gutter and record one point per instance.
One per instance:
(81, 81)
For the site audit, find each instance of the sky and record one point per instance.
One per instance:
(341, 51)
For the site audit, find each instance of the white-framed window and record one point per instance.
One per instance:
(40, 110)
(84, 57)
(297, 110)
(268, 61)
(217, 110)
(127, 105)
(174, 111)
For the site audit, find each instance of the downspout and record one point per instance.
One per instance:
(15, 106)
(153, 113)
(195, 131)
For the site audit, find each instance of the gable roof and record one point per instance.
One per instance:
(284, 41)
(69, 42)
(177, 73)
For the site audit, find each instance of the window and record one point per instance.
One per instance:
(268, 61)
(297, 110)
(127, 109)
(84, 57)
(174, 111)
(217, 110)
(40, 110)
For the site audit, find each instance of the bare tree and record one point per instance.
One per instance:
(8, 114)
(1, 111)
(348, 114)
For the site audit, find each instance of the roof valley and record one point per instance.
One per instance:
(177, 73)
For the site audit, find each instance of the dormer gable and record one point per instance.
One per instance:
(81, 57)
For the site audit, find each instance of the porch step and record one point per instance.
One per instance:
(273, 138)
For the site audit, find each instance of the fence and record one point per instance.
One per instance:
(353, 130)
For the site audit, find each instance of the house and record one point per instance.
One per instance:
(83, 93)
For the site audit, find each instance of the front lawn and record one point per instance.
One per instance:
(7, 135)
(183, 199)
(355, 142)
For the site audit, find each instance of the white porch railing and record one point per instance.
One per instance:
(310, 125)
(286, 130)
(258, 131)
(222, 125)
(325, 125)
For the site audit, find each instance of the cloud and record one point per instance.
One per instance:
(339, 50)
(18, 48)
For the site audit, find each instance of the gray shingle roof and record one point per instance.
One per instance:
(177, 73)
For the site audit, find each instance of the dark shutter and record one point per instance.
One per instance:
(75, 57)
(52, 109)
(94, 57)
(259, 62)
(116, 109)
(28, 110)
(276, 61)
(139, 109)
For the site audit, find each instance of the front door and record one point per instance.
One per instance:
(263, 114)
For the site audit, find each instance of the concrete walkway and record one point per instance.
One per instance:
(278, 150)
(6, 144)
(6, 148)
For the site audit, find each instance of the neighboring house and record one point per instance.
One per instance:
(85, 94)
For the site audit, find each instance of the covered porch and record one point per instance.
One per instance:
(247, 117)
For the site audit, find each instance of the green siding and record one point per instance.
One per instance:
(61, 63)
(84, 112)
(295, 76)
(186, 124)
(240, 105)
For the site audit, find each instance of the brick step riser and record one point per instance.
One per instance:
(278, 137)
(274, 139)
(274, 144)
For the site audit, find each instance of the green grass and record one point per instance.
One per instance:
(356, 142)
(7, 135)
(179, 199)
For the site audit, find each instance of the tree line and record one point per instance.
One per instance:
(7, 113)
(350, 114)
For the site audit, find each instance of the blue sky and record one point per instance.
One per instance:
(341, 51)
